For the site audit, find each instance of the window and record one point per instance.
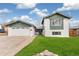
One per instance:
(56, 22)
(56, 33)
(23, 27)
(13, 27)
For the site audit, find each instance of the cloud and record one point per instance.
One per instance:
(8, 20)
(26, 5)
(67, 7)
(25, 17)
(3, 14)
(74, 22)
(44, 10)
(15, 18)
(40, 13)
(5, 11)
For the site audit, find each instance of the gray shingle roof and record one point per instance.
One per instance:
(55, 14)
(12, 22)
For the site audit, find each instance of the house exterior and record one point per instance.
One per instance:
(19, 28)
(38, 30)
(1, 29)
(56, 25)
(74, 31)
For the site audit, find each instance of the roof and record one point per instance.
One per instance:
(12, 22)
(74, 27)
(56, 14)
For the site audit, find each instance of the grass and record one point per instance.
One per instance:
(60, 46)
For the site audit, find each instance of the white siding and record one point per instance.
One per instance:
(0, 27)
(32, 31)
(48, 32)
(21, 32)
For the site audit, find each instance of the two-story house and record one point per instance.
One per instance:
(56, 25)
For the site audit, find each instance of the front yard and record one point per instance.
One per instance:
(60, 46)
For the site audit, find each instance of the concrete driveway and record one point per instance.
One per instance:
(9, 46)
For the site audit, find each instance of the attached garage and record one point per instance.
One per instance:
(19, 32)
(20, 28)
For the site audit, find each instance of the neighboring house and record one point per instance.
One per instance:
(74, 31)
(1, 29)
(56, 25)
(0, 26)
(19, 28)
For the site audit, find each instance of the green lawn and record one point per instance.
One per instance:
(60, 46)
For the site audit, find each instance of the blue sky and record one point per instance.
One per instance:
(34, 12)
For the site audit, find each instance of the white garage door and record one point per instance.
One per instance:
(19, 32)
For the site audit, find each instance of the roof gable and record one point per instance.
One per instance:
(20, 24)
(19, 21)
(55, 14)
(58, 14)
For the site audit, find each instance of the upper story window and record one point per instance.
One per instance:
(56, 22)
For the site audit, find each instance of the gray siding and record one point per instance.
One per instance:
(18, 25)
(56, 27)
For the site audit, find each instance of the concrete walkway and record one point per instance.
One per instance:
(9, 46)
(46, 53)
